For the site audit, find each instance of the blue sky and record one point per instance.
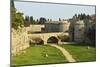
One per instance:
(52, 11)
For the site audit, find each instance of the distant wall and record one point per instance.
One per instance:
(57, 26)
(19, 40)
(35, 28)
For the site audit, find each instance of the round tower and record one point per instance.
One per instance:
(79, 31)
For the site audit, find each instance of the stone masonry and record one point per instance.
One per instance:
(20, 41)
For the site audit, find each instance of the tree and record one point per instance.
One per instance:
(75, 16)
(16, 17)
(31, 20)
(59, 19)
(42, 20)
(87, 17)
(48, 19)
(27, 21)
(27, 18)
(37, 20)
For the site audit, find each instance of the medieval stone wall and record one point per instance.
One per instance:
(79, 29)
(19, 40)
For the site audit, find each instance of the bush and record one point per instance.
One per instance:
(16, 17)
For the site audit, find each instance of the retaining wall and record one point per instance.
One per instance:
(19, 40)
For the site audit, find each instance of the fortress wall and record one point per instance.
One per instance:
(35, 28)
(79, 31)
(19, 40)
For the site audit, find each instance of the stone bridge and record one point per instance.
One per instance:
(47, 36)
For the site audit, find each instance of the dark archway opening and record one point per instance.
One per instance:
(52, 40)
(36, 41)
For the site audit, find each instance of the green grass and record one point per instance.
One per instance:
(80, 52)
(36, 55)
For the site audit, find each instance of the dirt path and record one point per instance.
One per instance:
(67, 55)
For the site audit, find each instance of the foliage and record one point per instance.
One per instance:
(42, 20)
(59, 19)
(17, 17)
(27, 18)
(81, 16)
(31, 20)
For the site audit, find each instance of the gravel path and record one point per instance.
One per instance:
(67, 55)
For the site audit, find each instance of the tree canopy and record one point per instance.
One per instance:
(42, 20)
(16, 17)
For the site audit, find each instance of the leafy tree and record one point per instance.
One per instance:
(48, 19)
(27, 18)
(16, 17)
(27, 21)
(31, 19)
(75, 15)
(37, 20)
(59, 19)
(87, 17)
(42, 20)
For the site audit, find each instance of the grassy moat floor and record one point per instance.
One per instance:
(45, 54)
(81, 52)
(37, 55)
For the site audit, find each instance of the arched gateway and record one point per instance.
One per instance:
(52, 39)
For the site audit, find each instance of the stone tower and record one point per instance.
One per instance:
(79, 29)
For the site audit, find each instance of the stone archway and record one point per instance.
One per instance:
(36, 40)
(52, 39)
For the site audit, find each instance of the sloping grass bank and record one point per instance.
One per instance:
(40, 54)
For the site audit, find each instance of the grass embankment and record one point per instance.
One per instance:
(81, 52)
(37, 55)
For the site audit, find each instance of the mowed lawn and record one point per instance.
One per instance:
(81, 52)
(37, 55)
